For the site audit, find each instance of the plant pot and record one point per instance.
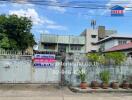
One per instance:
(130, 85)
(115, 85)
(125, 85)
(105, 85)
(94, 84)
(83, 85)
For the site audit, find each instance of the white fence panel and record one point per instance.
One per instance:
(15, 71)
(47, 75)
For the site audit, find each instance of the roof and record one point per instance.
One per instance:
(121, 47)
(113, 37)
(117, 7)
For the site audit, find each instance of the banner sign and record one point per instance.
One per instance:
(117, 11)
(44, 60)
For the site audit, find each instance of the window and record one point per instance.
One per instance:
(49, 46)
(120, 42)
(93, 50)
(93, 36)
(76, 48)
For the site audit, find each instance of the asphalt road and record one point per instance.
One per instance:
(42, 92)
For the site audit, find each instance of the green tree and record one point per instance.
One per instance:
(4, 43)
(96, 57)
(107, 58)
(115, 57)
(15, 32)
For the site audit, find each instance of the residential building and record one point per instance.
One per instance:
(91, 36)
(112, 41)
(83, 43)
(126, 48)
(59, 43)
(103, 33)
(94, 35)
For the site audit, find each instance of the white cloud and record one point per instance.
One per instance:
(55, 26)
(56, 8)
(37, 20)
(54, 4)
(3, 5)
(60, 9)
(30, 13)
(20, 1)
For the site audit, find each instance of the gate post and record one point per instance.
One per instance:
(62, 70)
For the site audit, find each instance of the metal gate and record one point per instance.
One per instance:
(22, 71)
(15, 71)
(46, 75)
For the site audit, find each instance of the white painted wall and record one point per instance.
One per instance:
(22, 71)
(90, 40)
(111, 43)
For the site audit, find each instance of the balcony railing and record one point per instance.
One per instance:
(47, 38)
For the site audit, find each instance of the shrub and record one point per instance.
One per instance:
(82, 75)
(105, 76)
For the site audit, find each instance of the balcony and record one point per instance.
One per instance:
(47, 38)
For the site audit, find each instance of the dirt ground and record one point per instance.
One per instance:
(53, 92)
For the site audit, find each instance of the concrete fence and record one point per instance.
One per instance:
(117, 73)
(23, 71)
(20, 69)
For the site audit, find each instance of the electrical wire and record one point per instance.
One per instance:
(73, 4)
(91, 4)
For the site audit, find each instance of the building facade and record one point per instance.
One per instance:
(90, 40)
(91, 36)
(59, 43)
(112, 41)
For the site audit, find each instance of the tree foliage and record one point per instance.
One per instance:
(107, 58)
(115, 57)
(15, 32)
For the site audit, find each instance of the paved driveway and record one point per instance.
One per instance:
(41, 92)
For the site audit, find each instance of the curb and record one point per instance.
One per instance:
(100, 90)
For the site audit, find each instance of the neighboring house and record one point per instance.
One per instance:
(91, 36)
(103, 33)
(74, 44)
(94, 35)
(59, 43)
(126, 48)
(112, 41)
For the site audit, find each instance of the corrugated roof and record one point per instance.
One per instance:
(115, 37)
(121, 47)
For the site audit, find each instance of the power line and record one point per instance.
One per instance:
(73, 4)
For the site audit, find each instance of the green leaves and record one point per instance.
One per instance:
(15, 32)
(105, 76)
(82, 75)
(114, 58)
(4, 43)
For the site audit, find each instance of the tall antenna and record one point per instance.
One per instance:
(93, 23)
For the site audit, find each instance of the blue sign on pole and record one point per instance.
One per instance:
(117, 11)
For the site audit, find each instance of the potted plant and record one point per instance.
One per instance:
(105, 77)
(94, 84)
(125, 84)
(82, 76)
(115, 85)
(130, 81)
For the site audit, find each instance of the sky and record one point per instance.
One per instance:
(69, 21)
